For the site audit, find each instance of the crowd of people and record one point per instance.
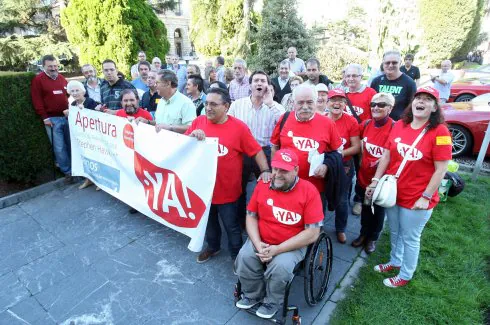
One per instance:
(309, 144)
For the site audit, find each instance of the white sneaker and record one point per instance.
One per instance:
(357, 208)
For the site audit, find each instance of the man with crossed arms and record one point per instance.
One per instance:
(283, 218)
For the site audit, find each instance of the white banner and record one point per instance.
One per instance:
(167, 176)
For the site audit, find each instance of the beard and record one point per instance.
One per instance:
(130, 110)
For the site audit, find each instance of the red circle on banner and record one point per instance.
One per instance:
(128, 136)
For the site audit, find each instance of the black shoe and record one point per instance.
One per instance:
(370, 246)
(359, 241)
(133, 210)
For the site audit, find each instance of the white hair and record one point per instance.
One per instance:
(303, 87)
(242, 62)
(75, 84)
(393, 52)
(355, 66)
(156, 59)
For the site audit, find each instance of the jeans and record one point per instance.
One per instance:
(405, 231)
(342, 210)
(371, 223)
(249, 166)
(60, 142)
(357, 162)
(228, 215)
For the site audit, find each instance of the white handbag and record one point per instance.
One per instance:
(385, 192)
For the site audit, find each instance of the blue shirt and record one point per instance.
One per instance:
(140, 84)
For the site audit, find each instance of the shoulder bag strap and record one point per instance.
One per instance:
(402, 165)
(283, 121)
(352, 110)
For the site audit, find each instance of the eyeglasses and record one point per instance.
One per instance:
(390, 62)
(380, 105)
(352, 75)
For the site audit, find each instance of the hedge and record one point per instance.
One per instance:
(24, 145)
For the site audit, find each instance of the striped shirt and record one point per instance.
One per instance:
(261, 121)
(239, 90)
(111, 95)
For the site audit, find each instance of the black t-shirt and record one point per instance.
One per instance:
(413, 73)
(403, 89)
(150, 102)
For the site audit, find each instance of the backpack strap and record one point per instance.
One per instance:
(283, 121)
(352, 110)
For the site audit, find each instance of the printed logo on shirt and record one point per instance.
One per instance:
(157, 100)
(116, 94)
(222, 150)
(344, 141)
(443, 140)
(303, 144)
(404, 150)
(394, 90)
(58, 92)
(373, 149)
(284, 216)
(357, 109)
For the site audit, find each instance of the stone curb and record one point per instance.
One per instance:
(469, 169)
(327, 311)
(30, 193)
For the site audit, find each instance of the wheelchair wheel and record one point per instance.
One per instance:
(318, 265)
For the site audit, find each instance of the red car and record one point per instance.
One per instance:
(468, 122)
(465, 90)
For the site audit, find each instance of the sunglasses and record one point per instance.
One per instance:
(380, 105)
(390, 62)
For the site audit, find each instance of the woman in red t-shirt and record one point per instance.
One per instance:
(348, 129)
(417, 186)
(374, 136)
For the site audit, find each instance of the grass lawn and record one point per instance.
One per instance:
(451, 284)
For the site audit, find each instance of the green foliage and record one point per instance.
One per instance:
(333, 58)
(114, 29)
(451, 28)
(451, 284)
(221, 27)
(40, 34)
(25, 148)
(281, 28)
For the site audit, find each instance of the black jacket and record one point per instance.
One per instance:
(336, 182)
(324, 80)
(279, 93)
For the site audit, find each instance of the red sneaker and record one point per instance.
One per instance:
(382, 268)
(395, 282)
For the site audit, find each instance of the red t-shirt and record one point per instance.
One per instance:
(374, 143)
(139, 113)
(234, 138)
(319, 134)
(360, 103)
(435, 145)
(347, 127)
(283, 215)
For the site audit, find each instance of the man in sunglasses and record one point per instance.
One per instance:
(395, 82)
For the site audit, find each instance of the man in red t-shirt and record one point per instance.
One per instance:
(235, 139)
(306, 131)
(49, 97)
(283, 218)
(130, 109)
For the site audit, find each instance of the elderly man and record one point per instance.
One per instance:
(276, 244)
(91, 82)
(303, 131)
(442, 81)
(134, 67)
(156, 63)
(49, 97)
(195, 91)
(141, 83)
(281, 83)
(314, 75)
(359, 96)
(240, 85)
(151, 98)
(235, 140)
(261, 113)
(393, 81)
(175, 112)
(297, 65)
(220, 69)
(411, 70)
(111, 88)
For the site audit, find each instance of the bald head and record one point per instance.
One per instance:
(292, 53)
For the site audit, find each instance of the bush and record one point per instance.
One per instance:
(333, 58)
(25, 148)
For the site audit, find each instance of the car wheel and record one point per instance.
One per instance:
(464, 98)
(462, 141)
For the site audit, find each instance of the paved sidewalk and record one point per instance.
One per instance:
(78, 257)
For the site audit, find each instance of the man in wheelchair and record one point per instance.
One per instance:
(283, 218)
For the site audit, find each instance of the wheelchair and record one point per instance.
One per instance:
(317, 267)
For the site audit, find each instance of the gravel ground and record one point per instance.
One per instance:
(470, 161)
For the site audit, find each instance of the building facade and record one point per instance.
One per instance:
(177, 23)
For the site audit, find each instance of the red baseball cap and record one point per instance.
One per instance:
(285, 159)
(428, 90)
(336, 93)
